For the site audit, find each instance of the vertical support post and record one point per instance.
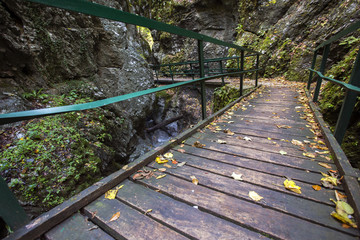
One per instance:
(312, 67)
(192, 72)
(171, 73)
(202, 74)
(349, 103)
(257, 71)
(221, 71)
(11, 211)
(322, 70)
(242, 74)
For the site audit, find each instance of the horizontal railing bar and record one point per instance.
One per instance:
(341, 34)
(344, 85)
(175, 72)
(196, 62)
(30, 114)
(118, 15)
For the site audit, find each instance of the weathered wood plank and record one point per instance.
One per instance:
(178, 215)
(248, 213)
(266, 175)
(289, 161)
(291, 204)
(131, 224)
(77, 227)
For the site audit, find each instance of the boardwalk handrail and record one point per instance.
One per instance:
(14, 215)
(352, 88)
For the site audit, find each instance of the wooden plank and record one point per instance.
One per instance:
(266, 175)
(131, 224)
(276, 158)
(291, 204)
(268, 146)
(248, 119)
(183, 217)
(77, 227)
(46, 221)
(247, 213)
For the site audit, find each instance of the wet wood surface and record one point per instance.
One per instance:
(250, 140)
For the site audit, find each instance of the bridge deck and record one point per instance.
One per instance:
(219, 207)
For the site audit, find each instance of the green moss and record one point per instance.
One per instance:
(55, 157)
(223, 96)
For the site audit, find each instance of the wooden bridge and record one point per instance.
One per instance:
(265, 166)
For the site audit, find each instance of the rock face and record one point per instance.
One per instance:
(48, 48)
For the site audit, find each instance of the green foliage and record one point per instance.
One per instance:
(55, 154)
(223, 96)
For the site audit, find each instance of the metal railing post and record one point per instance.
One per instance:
(11, 211)
(171, 73)
(202, 74)
(257, 71)
(349, 103)
(242, 74)
(312, 67)
(221, 71)
(322, 70)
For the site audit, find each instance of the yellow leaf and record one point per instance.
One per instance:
(330, 179)
(168, 155)
(325, 165)
(282, 152)
(111, 194)
(343, 219)
(161, 176)
(316, 187)
(321, 142)
(297, 142)
(269, 138)
(237, 176)
(194, 180)
(147, 211)
(290, 185)
(167, 165)
(161, 160)
(115, 217)
(254, 196)
(310, 155)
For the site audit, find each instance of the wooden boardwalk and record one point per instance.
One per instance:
(257, 134)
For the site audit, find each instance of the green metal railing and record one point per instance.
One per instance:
(14, 216)
(352, 88)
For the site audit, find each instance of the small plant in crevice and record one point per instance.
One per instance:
(223, 96)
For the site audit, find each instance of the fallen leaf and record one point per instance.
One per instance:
(168, 155)
(167, 165)
(297, 142)
(344, 225)
(221, 141)
(339, 196)
(161, 176)
(228, 132)
(282, 152)
(291, 185)
(310, 155)
(115, 217)
(125, 167)
(269, 138)
(325, 165)
(254, 196)
(111, 194)
(160, 160)
(316, 187)
(162, 169)
(237, 176)
(174, 161)
(147, 211)
(283, 126)
(194, 180)
(321, 142)
(181, 150)
(343, 219)
(198, 144)
(247, 139)
(181, 164)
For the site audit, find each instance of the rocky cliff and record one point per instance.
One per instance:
(51, 57)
